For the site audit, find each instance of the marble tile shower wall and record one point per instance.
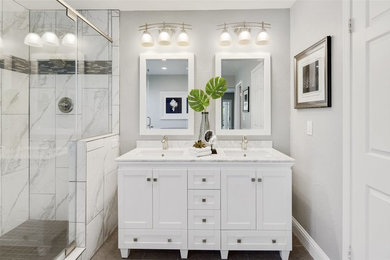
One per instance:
(14, 91)
(94, 90)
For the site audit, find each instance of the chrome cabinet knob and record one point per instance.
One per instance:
(204, 180)
(149, 179)
(204, 220)
(135, 239)
(238, 241)
(203, 200)
(169, 240)
(253, 179)
(155, 179)
(259, 180)
(204, 241)
(273, 241)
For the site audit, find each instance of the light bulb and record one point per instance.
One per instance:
(244, 37)
(183, 39)
(225, 39)
(164, 38)
(147, 39)
(33, 39)
(50, 38)
(262, 37)
(69, 40)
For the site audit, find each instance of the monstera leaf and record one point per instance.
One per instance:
(216, 87)
(198, 100)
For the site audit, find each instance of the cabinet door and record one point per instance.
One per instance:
(274, 199)
(170, 199)
(135, 198)
(238, 198)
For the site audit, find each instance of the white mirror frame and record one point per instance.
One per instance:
(267, 94)
(142, 93)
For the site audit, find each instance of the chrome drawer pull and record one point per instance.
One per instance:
(204, 220)
(238, 241)
(135, 239)
(273, 241)
(204, 241)
(203, 179)
(203, 200)
(169, 240)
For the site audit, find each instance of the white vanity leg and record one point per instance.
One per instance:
(183, 254)
(224, 254)
(284, 254)
(125, 253)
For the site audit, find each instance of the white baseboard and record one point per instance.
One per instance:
(308, 242)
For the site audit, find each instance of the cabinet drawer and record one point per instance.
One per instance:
(203, 199)
(152, 239)
(204, 179)
(204, 239)
(204, 219)
(256, 240)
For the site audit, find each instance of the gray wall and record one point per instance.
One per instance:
(204, 44)
(317, 174)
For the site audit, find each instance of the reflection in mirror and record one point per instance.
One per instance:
(245, 109)
(166, 98)
(242, 101)
(164, 84)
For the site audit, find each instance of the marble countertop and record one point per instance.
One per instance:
(175, 154)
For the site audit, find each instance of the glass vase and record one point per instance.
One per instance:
(204, 126)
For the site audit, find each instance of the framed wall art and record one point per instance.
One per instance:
(313, 76)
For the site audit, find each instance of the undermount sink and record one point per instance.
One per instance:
(160, 153)
(246, 153)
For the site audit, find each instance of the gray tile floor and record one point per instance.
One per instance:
(110, 251)
(34, 240)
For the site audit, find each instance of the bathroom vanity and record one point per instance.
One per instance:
(235, 200)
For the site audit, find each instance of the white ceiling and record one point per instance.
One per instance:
(138, 5)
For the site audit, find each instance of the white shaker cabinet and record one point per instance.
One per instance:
(205, 205)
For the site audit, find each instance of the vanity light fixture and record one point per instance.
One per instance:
(225, 39)
(243, 30)
(166, 32)
(69, 40)
(50, 39)
(33, 39)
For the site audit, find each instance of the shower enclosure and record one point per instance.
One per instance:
(56, 87)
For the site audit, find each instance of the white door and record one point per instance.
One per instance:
(135, 198)
(370, 230)
(274, 199)
(257, 97)
(170, 199)
(238, 198)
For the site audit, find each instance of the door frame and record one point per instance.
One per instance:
(347, 134)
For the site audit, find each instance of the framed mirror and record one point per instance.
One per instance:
(245, 109)
(165, 81)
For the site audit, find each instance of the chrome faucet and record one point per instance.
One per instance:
(164, 142)
(244, 143)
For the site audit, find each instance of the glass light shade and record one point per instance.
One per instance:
(164, 38)
(147, 39)
(262, 38)
(33, 39)
(50, 38)
(69, 40)
(244, 37)
(225, 39)
(183, 39)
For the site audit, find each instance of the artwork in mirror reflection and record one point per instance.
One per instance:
(242, 106)
(166, 93)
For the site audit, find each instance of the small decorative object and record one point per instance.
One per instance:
(246, 100)
(313, 76)
(199, 144)
(173, 105)
(199, 100)
(211, 139)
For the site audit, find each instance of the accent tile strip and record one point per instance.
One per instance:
(14, 64)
